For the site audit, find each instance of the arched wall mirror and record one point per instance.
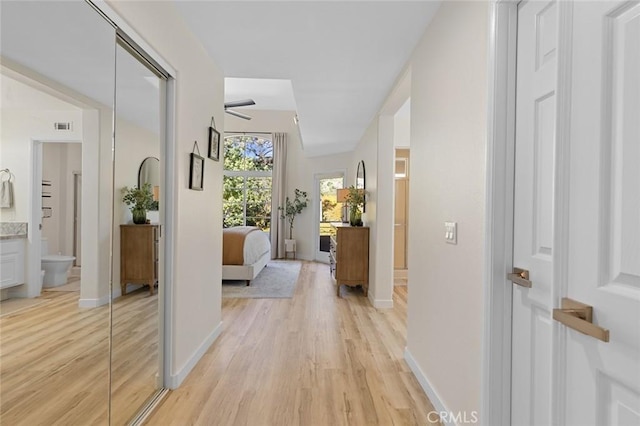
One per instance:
(77, 351)
(149, 172)
(361, 182)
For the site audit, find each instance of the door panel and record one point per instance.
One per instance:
(399, 244)
(400, 226)
(533, 211)
(603, 268)
(136, 367)
(331, 210)
(576, 212)
(58, 58)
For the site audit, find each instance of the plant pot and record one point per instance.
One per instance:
(355, 217)
(139, 216)
(289, 245)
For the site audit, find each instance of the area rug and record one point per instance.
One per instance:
(276, 281)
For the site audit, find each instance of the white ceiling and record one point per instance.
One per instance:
(269, 94)
(68, 43)
(342, 58)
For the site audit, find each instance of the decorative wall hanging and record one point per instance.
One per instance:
(214, 141)
(196, 170)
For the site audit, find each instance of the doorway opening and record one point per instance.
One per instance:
(401, 144)
(329, 210)
(401, 218)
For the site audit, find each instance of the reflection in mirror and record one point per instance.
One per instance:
(149, 172)
(54, 329)
(135, 362)
(361, 182)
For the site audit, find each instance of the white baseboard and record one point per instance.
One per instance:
(432, 394)
(380, 303)
(93, 303)
(175, 380)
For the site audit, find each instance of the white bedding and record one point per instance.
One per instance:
(256, 253)
(256, 244)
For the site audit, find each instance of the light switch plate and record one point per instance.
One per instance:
(451, 232)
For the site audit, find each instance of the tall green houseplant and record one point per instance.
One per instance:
(292, 208)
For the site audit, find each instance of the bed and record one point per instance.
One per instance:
(245, 252)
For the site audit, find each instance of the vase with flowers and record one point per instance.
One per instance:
(139, 201)
(355, 200)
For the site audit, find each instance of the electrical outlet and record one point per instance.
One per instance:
(451, 232)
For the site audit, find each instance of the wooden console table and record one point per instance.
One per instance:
(349, 256)
(138, 255)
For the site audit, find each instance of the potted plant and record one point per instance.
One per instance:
(289, 211)
(355, 199)
(139, 201)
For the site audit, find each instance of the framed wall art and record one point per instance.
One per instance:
(196, 172)
(214, 142)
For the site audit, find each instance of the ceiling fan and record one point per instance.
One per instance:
(236, 104)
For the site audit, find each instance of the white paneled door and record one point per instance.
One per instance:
(577, 214)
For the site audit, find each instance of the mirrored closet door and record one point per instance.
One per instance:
(58, 83)
(78, 344)
(136, 373)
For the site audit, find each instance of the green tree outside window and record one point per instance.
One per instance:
(248, 166)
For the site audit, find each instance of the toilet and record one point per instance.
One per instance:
(55, 267)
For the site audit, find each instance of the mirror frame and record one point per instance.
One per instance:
(140, 171)
(361, 174)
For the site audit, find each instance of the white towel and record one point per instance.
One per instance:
(6, 194)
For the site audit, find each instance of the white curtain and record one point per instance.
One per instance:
(278, 193)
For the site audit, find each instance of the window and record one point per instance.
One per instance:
(248, 165)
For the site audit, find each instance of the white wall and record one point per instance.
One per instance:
(376, 150)
(97, 178)
(446, 82)
(197, 275)
(300, 169)
(28, 114)
(448, 140)
(402, 126)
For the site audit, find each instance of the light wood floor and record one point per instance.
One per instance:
(310, 360)
(54, 360)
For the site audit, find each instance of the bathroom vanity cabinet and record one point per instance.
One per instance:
(12, 262)
(139, 255)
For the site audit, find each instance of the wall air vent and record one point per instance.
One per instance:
(63, 125)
